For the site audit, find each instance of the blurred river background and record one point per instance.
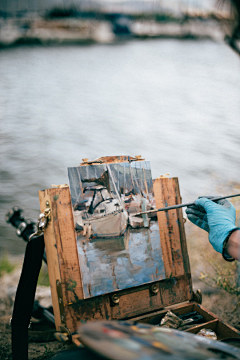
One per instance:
(176, 103)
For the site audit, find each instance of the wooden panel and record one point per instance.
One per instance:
(132, 302)
(171, 227)
(174, 292)
(183, 242)
(140, 302)
(225, 331)
(212, 325)
(221, 329)
(52, 257)
(61, 250)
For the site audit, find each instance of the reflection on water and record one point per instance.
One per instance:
(108, 265)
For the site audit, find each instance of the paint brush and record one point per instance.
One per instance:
(172, 207)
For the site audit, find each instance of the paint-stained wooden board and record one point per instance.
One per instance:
(61, 251)
(63, 263)
(171, 227)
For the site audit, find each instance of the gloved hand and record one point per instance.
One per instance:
(217, 218)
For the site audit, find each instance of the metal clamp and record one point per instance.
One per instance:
(197, 296)
(27, 225)
(42, 222)
(21, 227)
(12, 212)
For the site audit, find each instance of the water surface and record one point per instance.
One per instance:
(176, 103)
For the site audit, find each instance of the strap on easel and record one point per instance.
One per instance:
(25, 297)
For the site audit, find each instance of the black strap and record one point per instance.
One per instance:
(25, 297)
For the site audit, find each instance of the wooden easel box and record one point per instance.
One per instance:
(143, 303)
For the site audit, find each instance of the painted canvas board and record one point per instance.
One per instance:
(117, 249)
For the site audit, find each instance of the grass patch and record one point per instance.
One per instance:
(5, 265)
(43, 278)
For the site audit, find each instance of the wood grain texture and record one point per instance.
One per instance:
(52, 257)
(132, 302)
(171, 227)
(182, 234)
(61, 250)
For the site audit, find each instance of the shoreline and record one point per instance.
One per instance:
(80, 31)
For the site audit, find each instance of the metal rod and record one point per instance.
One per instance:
(182, 205)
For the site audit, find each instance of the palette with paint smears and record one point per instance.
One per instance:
(118, 340)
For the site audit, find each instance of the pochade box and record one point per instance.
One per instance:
(105, 262)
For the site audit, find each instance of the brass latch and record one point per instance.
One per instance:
(42, 222)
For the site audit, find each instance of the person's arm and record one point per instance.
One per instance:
(233, 245)
(218, 219)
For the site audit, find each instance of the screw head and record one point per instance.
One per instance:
(154, 289)
(115, 299)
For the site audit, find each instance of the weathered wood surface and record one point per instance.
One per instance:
(52, 257)
(111, 160)
(171, 227)
(133, 301)
(61, 251)
(63, 263)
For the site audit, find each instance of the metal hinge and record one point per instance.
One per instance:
(197, 296)
(43, 219)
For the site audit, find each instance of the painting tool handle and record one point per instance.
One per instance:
(182, 205)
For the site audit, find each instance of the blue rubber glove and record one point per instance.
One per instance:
(218, 219)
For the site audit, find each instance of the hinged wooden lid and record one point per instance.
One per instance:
(63, 263)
